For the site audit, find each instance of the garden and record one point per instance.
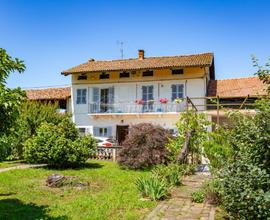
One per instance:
(151, 164)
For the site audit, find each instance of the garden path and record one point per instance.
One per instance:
(24, 166)
(180, 205)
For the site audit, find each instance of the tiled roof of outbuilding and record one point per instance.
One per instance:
(48, 94)
(237, 87)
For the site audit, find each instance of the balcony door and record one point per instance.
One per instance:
(103, 100)
(148, 98)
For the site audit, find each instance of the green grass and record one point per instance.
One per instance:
(112, 194)
(7, 164)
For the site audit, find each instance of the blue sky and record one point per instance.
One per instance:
(54, 35)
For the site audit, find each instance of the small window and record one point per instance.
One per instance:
(82, 131)
(82, 77)
(148, 73)
(177, 71)
(81, 96)
(124, 74)
(103, 132)
(104, 75)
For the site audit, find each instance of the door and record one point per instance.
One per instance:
(121, 133)
(104, 100)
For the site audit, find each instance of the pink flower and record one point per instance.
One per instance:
(163, 100)
(139, 101)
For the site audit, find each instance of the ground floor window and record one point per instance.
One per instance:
(102, 131)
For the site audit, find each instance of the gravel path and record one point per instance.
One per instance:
(24, 166)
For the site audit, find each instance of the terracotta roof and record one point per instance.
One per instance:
(48, 94)
(204, 59)
(237, 87)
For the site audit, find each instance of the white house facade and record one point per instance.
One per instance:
(109, 96)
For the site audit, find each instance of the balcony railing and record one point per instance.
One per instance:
(125, 108)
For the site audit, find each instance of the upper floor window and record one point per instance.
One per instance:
(81, 96)
(148, 73)
(177, 91)
(124, 74)
(177, 71)
(82, 77)
(104, 75)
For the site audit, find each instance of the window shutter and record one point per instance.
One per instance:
(181, 91)
(144, 93)
(151, 92)
(109, 130)
(96, 95)
(174, 92)
(83, 98)
(96, 131)
(111, 95)
(78, 100)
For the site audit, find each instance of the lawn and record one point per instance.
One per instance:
(111, 194)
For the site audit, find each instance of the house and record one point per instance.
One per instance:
(109, 96)
(60, 95)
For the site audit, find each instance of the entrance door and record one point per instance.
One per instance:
(121, 133)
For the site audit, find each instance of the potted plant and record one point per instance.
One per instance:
(140, 101)
(178, 100)
(163, 100)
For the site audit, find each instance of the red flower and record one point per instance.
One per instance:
(163, 100)
(139, 101)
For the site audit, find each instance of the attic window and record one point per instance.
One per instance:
(82, 77)
(104, 75)
(124, 74)
(148, 73)
(177, 71)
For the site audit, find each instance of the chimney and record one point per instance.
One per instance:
(91, 60)
(141, 54)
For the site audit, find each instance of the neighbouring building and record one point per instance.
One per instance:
(60, 95)
(109, 96)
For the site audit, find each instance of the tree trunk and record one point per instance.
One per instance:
(184, 151)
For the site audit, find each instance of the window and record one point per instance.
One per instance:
(104, 75)
(82, 77)
(177, 91)
(81, 96)
(177, 71)
(148, 73)
(124, 74)
(82, 131)
(102, 131)
(148, 96)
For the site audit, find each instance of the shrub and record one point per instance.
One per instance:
(144, 146)
(213, 191)
(188, 169)
(31, 115)
(152, 187)
(246, 191)
(171, 174)
(198, 196)
(57, 146)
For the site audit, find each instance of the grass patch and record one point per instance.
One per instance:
(14, 163)
(112, 194)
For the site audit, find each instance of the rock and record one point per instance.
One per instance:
(55, 180)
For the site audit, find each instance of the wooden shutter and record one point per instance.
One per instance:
(109, 131)
(96, 131)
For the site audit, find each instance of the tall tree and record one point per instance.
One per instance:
(10, 99)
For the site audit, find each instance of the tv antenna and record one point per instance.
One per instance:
(121, 43)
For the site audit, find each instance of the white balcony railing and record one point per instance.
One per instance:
(125, 108)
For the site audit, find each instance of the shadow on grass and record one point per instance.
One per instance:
(16, 209)
(91, 165)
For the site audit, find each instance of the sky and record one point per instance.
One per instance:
(54, 35)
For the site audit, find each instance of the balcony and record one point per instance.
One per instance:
(127, 108)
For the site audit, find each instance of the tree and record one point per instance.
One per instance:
(10, 99)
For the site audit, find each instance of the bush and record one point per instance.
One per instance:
(152, 187)
(144, 146)
(171, 174)
(198, 196)
(31, 116)
(213, 191)
(246, 191)
(58, 145)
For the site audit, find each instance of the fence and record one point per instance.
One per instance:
(107, 153)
